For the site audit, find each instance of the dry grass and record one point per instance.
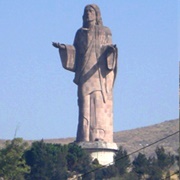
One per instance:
(135, 139)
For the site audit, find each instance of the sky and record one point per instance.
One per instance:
(38, 99)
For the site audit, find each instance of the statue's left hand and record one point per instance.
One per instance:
(110, 49)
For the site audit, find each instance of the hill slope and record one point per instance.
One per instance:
(135, 139)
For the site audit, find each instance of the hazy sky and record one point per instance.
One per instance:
(38, 98)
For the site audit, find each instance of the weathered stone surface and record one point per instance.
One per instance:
(93, 58)
(98, 145)
(102, 151)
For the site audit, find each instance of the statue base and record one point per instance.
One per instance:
(100, 150)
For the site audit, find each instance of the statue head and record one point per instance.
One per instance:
(86, 19)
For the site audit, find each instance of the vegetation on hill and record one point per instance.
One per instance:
(48, 161)
(61, 159)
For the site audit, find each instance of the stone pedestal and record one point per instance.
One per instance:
(102, 151)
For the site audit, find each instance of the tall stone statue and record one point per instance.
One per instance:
(93, 58)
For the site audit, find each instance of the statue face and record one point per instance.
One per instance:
(89, 14)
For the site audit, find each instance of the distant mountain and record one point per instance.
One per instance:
(135, 139)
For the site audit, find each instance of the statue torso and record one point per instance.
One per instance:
(89, 44)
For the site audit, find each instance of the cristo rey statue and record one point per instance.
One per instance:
(93, 59)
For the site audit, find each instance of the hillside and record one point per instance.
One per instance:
(135, 139)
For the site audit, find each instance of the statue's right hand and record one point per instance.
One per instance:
(58, 45)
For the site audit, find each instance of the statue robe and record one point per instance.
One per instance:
(95, 71)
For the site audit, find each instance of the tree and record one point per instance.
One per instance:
(154, 171)
(121, 161)
(140, 165)
(78, 159)
(47, 161)
(105, 172)
(164, 160)
(129, 176)
(160, 165)
(12, 161)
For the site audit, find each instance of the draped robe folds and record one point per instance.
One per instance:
(95, 71)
